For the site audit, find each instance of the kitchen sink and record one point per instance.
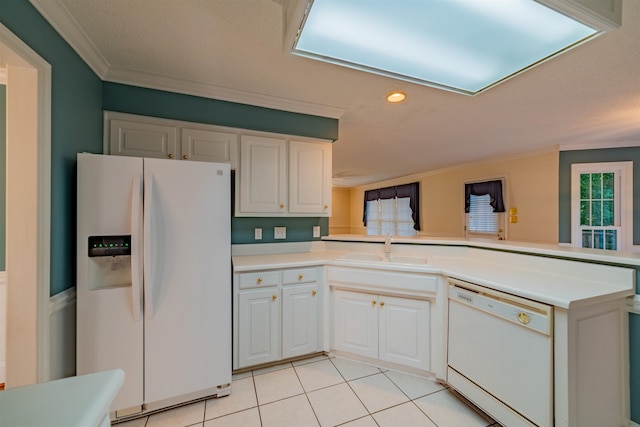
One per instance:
(362, 257)
(404, 259)
(395, 259)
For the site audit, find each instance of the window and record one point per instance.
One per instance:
(392, 210)
(484, 207)
(482, 218)
(601, 204)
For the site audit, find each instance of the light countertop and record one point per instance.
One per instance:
(561, 251)
(578, 278)
(81, 401)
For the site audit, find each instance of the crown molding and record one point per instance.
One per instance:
(63, 22)
(599, 145)
(188, 87)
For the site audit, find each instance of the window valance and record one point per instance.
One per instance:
(492, 188)
(412, 191)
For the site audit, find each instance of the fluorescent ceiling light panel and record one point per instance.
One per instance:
(464, 46)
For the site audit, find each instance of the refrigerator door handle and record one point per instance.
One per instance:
(148, 270)
(136, 250)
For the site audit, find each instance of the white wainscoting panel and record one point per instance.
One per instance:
(62, 323)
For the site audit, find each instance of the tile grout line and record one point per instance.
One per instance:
(255, 390)
(354, 392)
(305, 392)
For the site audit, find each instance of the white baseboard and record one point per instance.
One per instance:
(62, 324)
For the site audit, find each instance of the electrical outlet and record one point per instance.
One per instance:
(316, 231)
(258, 234)
(279, 232)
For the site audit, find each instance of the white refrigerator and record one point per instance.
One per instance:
(154, 278)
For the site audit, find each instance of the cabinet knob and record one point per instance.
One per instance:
(281, 205)
(326, 206)
(381, 303)
(313, 293)
(185, 157)
(300, 276)
(170, 156)
(373, 302)
(259, 280)
(275, 297)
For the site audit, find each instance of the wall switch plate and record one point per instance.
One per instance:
(279, 232)
(316, 231)
(258, 233)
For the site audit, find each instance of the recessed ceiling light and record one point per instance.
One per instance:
(464, 46)
(396, 97)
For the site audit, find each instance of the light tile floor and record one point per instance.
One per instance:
(324, 391)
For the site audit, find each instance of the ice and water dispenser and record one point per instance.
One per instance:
(109, 261)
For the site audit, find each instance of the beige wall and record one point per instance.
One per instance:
(22, 208)
(339, 222)
(531, 187)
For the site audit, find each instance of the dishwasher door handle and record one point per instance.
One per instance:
(529, 314)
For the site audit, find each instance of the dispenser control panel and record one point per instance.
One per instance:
(109, 245)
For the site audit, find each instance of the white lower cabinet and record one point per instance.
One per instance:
(387, 328)
(299, 320)
(355, 323)
(404, 331)
(260, 320)
(276, 315)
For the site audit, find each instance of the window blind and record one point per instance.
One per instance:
(482, 218)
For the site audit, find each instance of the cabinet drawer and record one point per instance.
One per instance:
(259, 279)
(299, 275)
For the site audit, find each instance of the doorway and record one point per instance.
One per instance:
(28, 211)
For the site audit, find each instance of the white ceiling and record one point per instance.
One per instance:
(237, 50)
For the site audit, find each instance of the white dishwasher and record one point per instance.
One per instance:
(500, 353)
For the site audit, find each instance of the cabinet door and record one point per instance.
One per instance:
(209, 146)
(259, 327)
(405, 331)
(355, 323)
(310, 178)
(299, 320)
(263, 175)
(136, 139)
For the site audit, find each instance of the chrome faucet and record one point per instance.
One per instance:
(387, 245)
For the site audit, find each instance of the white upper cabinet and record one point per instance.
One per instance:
(277, 175)
(141, 136)
(283, 177)
(310, 178)
(139, 139)
(209, 146)
(263, 175)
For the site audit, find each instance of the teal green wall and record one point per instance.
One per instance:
(567, 158)
(298, 229)
(149, 102)
(76, 126)
(157, 103)
(3, 173)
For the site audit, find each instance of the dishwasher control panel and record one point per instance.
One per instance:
(529, 314)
